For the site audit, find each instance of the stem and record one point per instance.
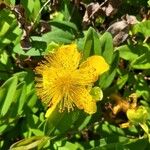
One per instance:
(40, 12)
(145, 40)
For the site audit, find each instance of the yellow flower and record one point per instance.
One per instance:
(62, 81)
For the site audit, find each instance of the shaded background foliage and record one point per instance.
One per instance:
(116, 29)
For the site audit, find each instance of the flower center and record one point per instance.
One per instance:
(65, 82)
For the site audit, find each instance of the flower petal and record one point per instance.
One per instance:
(55, 100)
(89, 70)
(46, 85)
(95, 62)
(83, 100)
(66, 57)
(85, 76)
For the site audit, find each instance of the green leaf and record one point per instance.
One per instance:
(106, 51)
(19, 100)
(112, 146)
(6, 65)
(107, 78)
(64, 25)
(28, 77)
(91, 43)
(142, 27)
(67, 145)
(139, 115)
(4, 59)
(4, 127)
(128, 52)
(131, 52)
(107, 130)
(142, 62)
(32, 124)
(36, 142)
(67, 119)
(32, 8)
(13, 100)
(111, 142)
(38, 47)
(82, 121)
(122, 80)
(7, 92)
(21, 75)
(51, 47)
(58, 36)
(145, 127)
(9, 29)
(117, 143)
(137, 144)
(138, 55)
(6, 20)
(96, 93)
(142, 87)
(65, 9)
(148, 3)
(106, 47)
(32, 97)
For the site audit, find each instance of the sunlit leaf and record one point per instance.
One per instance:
(107, 78)
(142, 27)
(36, 142)
(38, 47)
(91, 44)
(32, 8)
(67, 120)
(142, 62)
(106, 44)
(7, 92)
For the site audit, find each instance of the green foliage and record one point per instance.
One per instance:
(91, 43)
(46, 25)
(12, 96)
(9, 31)
(32, 9)
(35, 50)
(96, 93)
(30, 143)
(138, 116)
(61, 36)
(107, 50)
(137, 55)
(142, 28)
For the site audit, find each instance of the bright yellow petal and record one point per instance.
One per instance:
(85, 76)
(49, 111)
(46, 83)
(89, 70)
(95, 62)
(56, 99)
(66, 57)
(83, 100)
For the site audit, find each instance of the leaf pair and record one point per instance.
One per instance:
(14, 95)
